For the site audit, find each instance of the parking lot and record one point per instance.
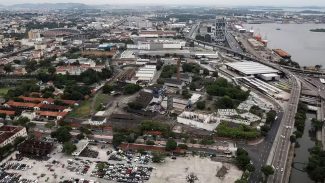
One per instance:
(111, 166)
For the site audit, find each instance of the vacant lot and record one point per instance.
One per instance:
(176, 171)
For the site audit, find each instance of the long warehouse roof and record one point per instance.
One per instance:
(249, 68)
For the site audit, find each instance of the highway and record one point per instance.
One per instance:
(232, 42)
(282, 142)
(278, 153)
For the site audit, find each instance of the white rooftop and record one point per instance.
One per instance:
(249, 68)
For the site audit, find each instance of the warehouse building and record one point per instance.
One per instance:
(146, 73)
(256, 69)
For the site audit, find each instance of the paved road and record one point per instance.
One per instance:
(232, 42)
(282, 143)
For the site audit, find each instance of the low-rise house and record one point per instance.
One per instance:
(51, 115)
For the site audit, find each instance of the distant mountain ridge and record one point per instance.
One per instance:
(49, 6)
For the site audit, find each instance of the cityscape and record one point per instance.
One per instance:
(162, 93)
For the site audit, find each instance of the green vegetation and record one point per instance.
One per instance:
(242, 159)
(316, 164)
(317, 30)
(23, 89)
(256, 110)
(243, 162)
(221, 87)
(190, 67)
(68, 148)
(200, 105)
(131, 89)
(99, 101)
(107, 89)
(135, 105)
(81, 111)
(240, 132)
(267, 171)
(231, 95)
(168, 71)
(186, 94)
(75, 92)
(157, 157)
(270, 117)
(171, 145)
(300, 119)
(62, 134)
(317, 125)
(4, 91)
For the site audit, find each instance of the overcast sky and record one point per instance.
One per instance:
(215, 2)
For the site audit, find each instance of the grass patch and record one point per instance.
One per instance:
(82, 111)
(3, 91)
(100, 99)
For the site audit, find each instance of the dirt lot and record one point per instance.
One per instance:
(176, 171)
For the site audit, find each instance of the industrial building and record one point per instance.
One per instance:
(146, 73)
(197, 120)
(157, 45)
(249, 68)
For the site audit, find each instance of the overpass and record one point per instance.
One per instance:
(279, 152)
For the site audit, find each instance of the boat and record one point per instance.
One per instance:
(278, 29)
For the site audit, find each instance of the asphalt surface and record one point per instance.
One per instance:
(232, 42)
(259, 153)
(282, 144)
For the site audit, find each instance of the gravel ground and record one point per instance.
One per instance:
(176, 171)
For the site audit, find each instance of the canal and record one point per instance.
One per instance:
(301, 154)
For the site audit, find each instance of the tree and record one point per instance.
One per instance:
(68, 148)
(267, 171)
(31, 66)
(225, 103)
(191, 178)
(3, 116)
(49, 125)
(318, 67)
(270, 117)
(51, 70)
(171, 145)
(8, 68)
(131, 88)
(206, 72)
(250, 167)
(293, 138)
(186, 94)
(157, 157)
(200, 105)
(107, 89)
(215, 74)
(242, 159)
(62, 134)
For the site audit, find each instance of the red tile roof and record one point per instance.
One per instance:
(10, 113)
(20, 104)
(36, 100)
(51, 113)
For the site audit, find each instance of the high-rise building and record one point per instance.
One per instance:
(34, 34)
(220, 31)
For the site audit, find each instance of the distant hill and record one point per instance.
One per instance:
(50, 6)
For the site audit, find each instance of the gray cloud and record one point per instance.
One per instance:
(197, 2)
